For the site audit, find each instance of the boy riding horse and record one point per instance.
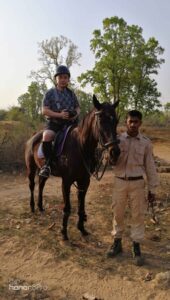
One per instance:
(61, 108)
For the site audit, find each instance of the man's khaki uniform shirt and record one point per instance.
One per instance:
(136, 159)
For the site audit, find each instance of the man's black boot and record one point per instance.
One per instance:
(116, 248)
(47, 150)
(138, 259)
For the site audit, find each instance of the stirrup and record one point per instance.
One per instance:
(45, 171)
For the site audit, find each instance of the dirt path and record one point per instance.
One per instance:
(36, 264)
(162, 150)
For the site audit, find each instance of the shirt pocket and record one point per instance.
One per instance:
(139, 155)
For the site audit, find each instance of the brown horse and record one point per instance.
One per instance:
(78, 159)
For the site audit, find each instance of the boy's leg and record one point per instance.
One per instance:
(48, 137)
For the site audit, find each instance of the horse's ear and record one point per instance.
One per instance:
(96, 103)
(115, 104)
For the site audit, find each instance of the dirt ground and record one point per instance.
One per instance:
(37, 264)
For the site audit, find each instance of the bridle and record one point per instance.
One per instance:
(101, 150)
(103, 145)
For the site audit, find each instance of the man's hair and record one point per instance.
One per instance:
(134, 113)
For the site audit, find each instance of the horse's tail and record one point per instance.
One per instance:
(36, 139)
(29, 150)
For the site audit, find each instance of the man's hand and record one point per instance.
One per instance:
(151, 199)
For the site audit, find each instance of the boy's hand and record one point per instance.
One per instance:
(64, 115)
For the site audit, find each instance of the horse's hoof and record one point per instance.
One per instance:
(84, 232)
(65, 238)
(41, 209)
(32, 209)
(64, 235)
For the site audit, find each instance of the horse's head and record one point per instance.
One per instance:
(106, 124)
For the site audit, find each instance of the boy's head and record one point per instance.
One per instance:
(62, 77)
(62, 70)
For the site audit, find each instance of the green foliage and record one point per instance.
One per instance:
(15, 113)
(85, 101)
(157, 119)
(167, 107)
(3, 113)
(13, 135)
(31, 102)
(124, 63)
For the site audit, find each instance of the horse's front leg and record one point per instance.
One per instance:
(42, 181)
(66, 209)
(82, 189)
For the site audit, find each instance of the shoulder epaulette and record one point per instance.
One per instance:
(146, 138)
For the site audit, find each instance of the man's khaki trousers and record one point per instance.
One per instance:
(131, 193)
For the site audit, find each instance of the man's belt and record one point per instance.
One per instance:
(131, 178)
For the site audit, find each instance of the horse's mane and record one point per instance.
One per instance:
(85, 125)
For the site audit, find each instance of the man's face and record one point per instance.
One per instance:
(62, 81)
(133, 124)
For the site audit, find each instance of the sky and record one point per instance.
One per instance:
(25, 23)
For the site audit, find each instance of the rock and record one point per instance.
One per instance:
(158, 229)
(154, 220)
(148, 276)
(163, 278)
(163, 169)
(154, 237)
(27, 221)
(87, 296)
(51, 226)
(162, 209)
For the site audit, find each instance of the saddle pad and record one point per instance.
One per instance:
(59, 147)
(40, 153)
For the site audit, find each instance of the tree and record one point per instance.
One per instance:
(31, 102)
(124, 65)
(85, 101)
(15, 113)
(167, 107)
(53, 52)
(3, 113)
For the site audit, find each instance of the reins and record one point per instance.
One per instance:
(95, 174)
(103, 147)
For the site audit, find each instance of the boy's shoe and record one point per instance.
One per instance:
(45, 171)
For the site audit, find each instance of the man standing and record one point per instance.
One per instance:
(135, 161)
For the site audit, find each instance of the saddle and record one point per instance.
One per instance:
(58, 143)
